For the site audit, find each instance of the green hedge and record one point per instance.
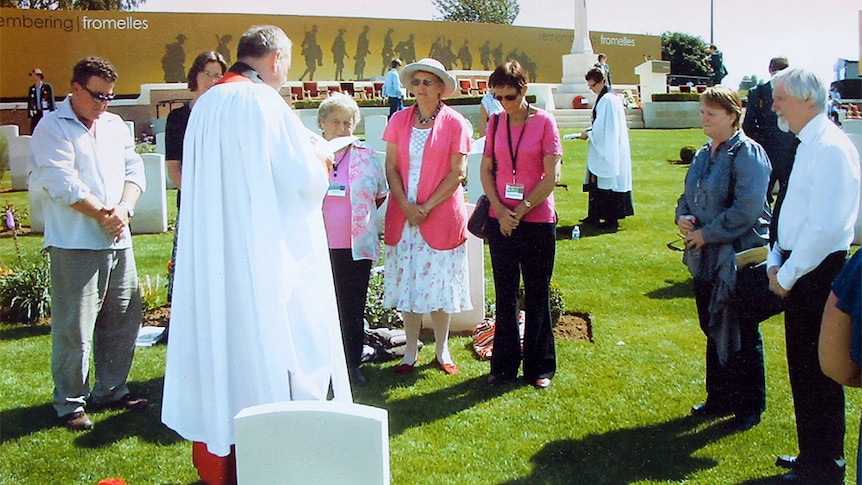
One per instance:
(675, 97)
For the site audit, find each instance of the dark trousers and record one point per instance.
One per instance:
(528, 252)
(351, 291)
(395, 105)
(818, 401)
(34, 120)
(739, 385)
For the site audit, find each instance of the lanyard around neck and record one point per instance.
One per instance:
(514, 153)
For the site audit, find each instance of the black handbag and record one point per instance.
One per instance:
(753, 301)
(478, 224)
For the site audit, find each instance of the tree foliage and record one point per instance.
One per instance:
(685, 52)
(484, 11)
(73, 4)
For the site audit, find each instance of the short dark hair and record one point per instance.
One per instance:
(93, 66)
(509, 73)
(261, 40)
(595, 75)
(200, 64)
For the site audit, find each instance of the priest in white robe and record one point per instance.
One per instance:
(608, 179)
(254, 318)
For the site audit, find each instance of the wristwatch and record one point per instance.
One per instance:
(129, 209)
(527, 204)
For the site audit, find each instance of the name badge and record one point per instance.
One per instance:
(337, 190)
(515, 191)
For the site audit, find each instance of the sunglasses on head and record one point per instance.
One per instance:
(426, 82)
(508, 97)
(102, 98)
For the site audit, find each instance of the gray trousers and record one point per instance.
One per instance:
(95, 303)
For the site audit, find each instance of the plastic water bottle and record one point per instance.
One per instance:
(576, 233)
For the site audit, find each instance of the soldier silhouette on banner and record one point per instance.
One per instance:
(173, 62)
(222, 48)
(388, 51)
(485, 55)
(362, 50)
(339, 52)
(465, 56)
(312, 53)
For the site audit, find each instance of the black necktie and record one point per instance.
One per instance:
(779, 200)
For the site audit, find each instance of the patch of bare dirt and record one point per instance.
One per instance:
(574, 326)
(157, 317)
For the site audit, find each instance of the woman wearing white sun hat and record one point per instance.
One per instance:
(426, 218)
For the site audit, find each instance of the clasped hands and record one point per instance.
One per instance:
(114, 221)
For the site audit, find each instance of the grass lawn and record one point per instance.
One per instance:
(618, 411)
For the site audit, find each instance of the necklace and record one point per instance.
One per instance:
(338, 163)
(431, 118)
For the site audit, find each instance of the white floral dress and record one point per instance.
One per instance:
(419, 278)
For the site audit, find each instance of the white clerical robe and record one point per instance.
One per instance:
(609, 156)
(254, 318)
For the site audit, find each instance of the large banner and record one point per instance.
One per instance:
(160, 47)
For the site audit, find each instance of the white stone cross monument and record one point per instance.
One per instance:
(578, 62)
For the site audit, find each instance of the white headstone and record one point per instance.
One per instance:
(312, 442)
(151, 212)
(374, 126)
(9, 130)
(19, 160)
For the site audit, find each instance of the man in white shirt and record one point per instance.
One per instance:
(392, 88)
(815, 227)
(87, 175)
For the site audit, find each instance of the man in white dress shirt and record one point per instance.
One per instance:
(815, 228)
(88, 177)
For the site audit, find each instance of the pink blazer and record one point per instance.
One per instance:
(446, 225)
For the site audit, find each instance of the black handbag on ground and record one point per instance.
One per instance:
(478, 222)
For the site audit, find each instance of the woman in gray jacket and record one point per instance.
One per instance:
(724, 211)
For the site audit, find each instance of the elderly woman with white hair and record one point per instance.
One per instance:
(357, 187)
(426, 218)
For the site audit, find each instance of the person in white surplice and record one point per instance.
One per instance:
(608, 178)
(254, 316)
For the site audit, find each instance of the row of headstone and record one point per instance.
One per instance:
(151, 213)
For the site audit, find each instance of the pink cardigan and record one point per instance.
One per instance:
(446, 225)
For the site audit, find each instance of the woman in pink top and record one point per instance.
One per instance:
(357, 187)
(521, 156)
(426, 218)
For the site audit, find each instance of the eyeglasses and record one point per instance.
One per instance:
(426, 82)
(673, 245)
(102, 98)
(214, 75)
(508, 97)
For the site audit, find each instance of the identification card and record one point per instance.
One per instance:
(515, 191)
(337, 190)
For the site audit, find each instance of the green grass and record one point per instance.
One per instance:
(617, 413)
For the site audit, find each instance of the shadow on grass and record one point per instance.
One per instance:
(21, 331)
(109, 426)
(418, 410)
(674, 289)
(586, 230)
(662, 452)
